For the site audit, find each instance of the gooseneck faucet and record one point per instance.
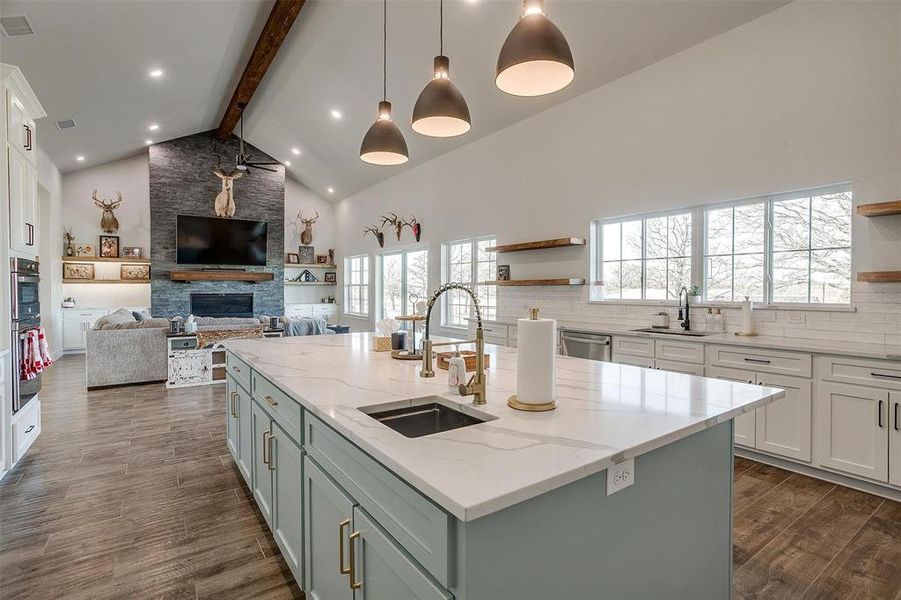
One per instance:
(684, 310)
(476, 385)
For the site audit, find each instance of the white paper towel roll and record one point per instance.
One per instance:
(536, 356)
(747, 316)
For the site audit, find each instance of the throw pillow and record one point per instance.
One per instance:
(141, 315)
(115, 318)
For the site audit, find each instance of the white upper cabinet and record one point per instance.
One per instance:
(20, 131)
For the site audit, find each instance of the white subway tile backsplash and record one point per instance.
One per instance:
(876, 317)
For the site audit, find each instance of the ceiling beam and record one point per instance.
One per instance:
(283, 14)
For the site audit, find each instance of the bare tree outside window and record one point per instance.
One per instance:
(647, 258)
(467, 261)
(403, 274)
(356, 285)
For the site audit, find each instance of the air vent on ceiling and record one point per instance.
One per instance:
(65, 124)
(16, 26)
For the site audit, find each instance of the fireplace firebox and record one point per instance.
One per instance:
(222, 305)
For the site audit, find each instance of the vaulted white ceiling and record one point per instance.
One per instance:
(89, 60)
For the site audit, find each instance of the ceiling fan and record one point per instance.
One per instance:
(243, 160)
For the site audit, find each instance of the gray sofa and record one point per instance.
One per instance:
(125, 348)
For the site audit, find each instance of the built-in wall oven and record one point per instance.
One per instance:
(26, 316)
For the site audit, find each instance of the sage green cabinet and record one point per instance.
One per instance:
(232, 426)
(328, 519)
(245, 436)
(286, 465)
(381, 570)
(262, 475)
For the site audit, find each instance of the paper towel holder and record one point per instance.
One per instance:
(513, 402)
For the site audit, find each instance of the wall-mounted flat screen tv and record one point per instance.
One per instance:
(214, 241)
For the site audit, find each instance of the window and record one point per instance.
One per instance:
(735, 246)
(467, 261)
(790, 248)
(646, 257)
(356, 285)
(812, 249)
(403, 274)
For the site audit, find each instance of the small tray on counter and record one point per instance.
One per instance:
(468, 355)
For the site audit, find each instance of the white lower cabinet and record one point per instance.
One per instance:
(665, 355)
(635, 361)
(676, 366)
(894, 459)
(781, 427)
(853, 429)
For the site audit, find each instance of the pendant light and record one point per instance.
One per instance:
(535, 59)
(384, 143)
(441, 110)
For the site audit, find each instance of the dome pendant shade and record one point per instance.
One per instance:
(441, 110)
(384, 144)
(535, 58)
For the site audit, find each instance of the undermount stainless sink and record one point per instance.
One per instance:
(675, 332)
(425, 416)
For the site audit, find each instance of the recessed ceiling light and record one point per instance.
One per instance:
(287, 163)
(156, 73)
(148, 142)
(80, 158)
(296, 151)
(336, 114)
(331, 190)
(153, 127)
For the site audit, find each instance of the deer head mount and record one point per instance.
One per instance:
(379, 236)
(395, 221)
(414, 225)
(305, 232)
(225, 199)
(108, 221)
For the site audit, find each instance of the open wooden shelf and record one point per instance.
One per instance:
(99, 259)
(106, 281)
(539, 245)
(528, 282)
(308, 266)
(880, 276)
(188, 276)
(880, 209)
(309, 283)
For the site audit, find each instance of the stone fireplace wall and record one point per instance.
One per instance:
(182, 183)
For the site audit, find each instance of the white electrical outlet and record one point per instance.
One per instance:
(620, 476)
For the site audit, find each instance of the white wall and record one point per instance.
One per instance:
(299, 197)
(807, 95)
(131, 177)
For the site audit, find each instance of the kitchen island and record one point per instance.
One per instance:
(516, 506)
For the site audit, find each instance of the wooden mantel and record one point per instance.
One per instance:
(539, 245)
(252, 277)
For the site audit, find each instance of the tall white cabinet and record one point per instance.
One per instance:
(19, 230)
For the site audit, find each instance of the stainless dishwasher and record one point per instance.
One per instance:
(585, 344)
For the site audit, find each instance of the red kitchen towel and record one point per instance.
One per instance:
(35, 354)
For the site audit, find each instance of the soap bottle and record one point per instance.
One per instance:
(719, 323)
(456, 372)
(709, 323)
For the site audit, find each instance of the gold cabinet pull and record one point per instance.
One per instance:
(235, 404)
(266, 447)
(341, 527)
(354, 585)
(237, 369)
(269, 443)
(271, 401)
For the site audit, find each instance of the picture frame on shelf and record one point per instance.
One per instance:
(292, 258)
(134, 272)
(503, 272)
(85, 251)
(322, 259)
(331, 277)
(132, 252)
(83, 271)
(307, 254)
(109, 246)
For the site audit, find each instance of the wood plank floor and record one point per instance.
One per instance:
(130, 493)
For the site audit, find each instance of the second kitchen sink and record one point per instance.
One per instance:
(424, 416)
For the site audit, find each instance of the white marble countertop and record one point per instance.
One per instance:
(607, 413)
